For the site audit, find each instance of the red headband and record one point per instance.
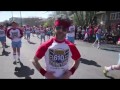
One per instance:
(64, 23)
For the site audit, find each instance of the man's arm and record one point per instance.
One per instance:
(48, 75)
(38, 66)
(76, 57)
(70, 72)
(8, 34)
(21, 33)
(75, 66)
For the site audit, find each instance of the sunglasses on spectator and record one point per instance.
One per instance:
(61, 28)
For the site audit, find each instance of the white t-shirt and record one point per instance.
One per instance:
(99, 31)
(2, 33)
(47, 29)
(37, 31)
(15, 34)
(72, 31)
(42, 32)
(28, 30)
(57, 55)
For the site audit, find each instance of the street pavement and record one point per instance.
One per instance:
(91, 66)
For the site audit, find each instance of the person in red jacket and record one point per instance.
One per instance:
(15, 34)
(57, 51)
(90, 33)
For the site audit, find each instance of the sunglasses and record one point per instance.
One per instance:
(60, 28)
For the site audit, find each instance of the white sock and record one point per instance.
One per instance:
(14, 56)
(3, 47)
(18, 56)
(108, 68)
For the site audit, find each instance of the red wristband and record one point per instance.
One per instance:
(42, 71)
(72, 70)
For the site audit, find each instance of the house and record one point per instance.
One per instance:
(113, 19)
(101, 18)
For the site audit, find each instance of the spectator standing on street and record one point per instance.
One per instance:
(79, 33)
(118, 43)
(48, 33)
(24, 31)
(3, 37)
(115, 36)
(71, 33)
(90, 32)
(83, 33)
(86, 37)
(28, 32)
(42, 33)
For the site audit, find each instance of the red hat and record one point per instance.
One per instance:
(65, 23)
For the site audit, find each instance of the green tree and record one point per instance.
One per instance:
(79, 17)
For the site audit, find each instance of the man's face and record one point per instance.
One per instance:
(60, 33)
(14, 25)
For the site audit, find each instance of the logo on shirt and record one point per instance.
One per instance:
(58, 57)
(14, 34)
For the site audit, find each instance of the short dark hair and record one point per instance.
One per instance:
(64, 22)
(13, 22)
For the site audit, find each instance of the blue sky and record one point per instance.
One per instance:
(5, 15)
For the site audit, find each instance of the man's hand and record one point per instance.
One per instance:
(49, 75)
(66, 75)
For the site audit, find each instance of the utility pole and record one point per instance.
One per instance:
(21, 17)
(12, 15)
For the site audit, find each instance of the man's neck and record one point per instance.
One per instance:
(14, 28)
(59, 40)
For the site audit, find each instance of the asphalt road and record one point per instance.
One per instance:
(92, 61)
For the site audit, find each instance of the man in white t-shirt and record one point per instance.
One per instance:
(15, 34)
(3, 37)
(71, 33)
(37, 31)
(42, 33)
(28, 32)
(57, 52)
(24, 31)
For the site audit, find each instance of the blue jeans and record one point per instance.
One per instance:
(98, 36)
(16, 44)
(28, 35)
(2, 39)
(71, 39)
